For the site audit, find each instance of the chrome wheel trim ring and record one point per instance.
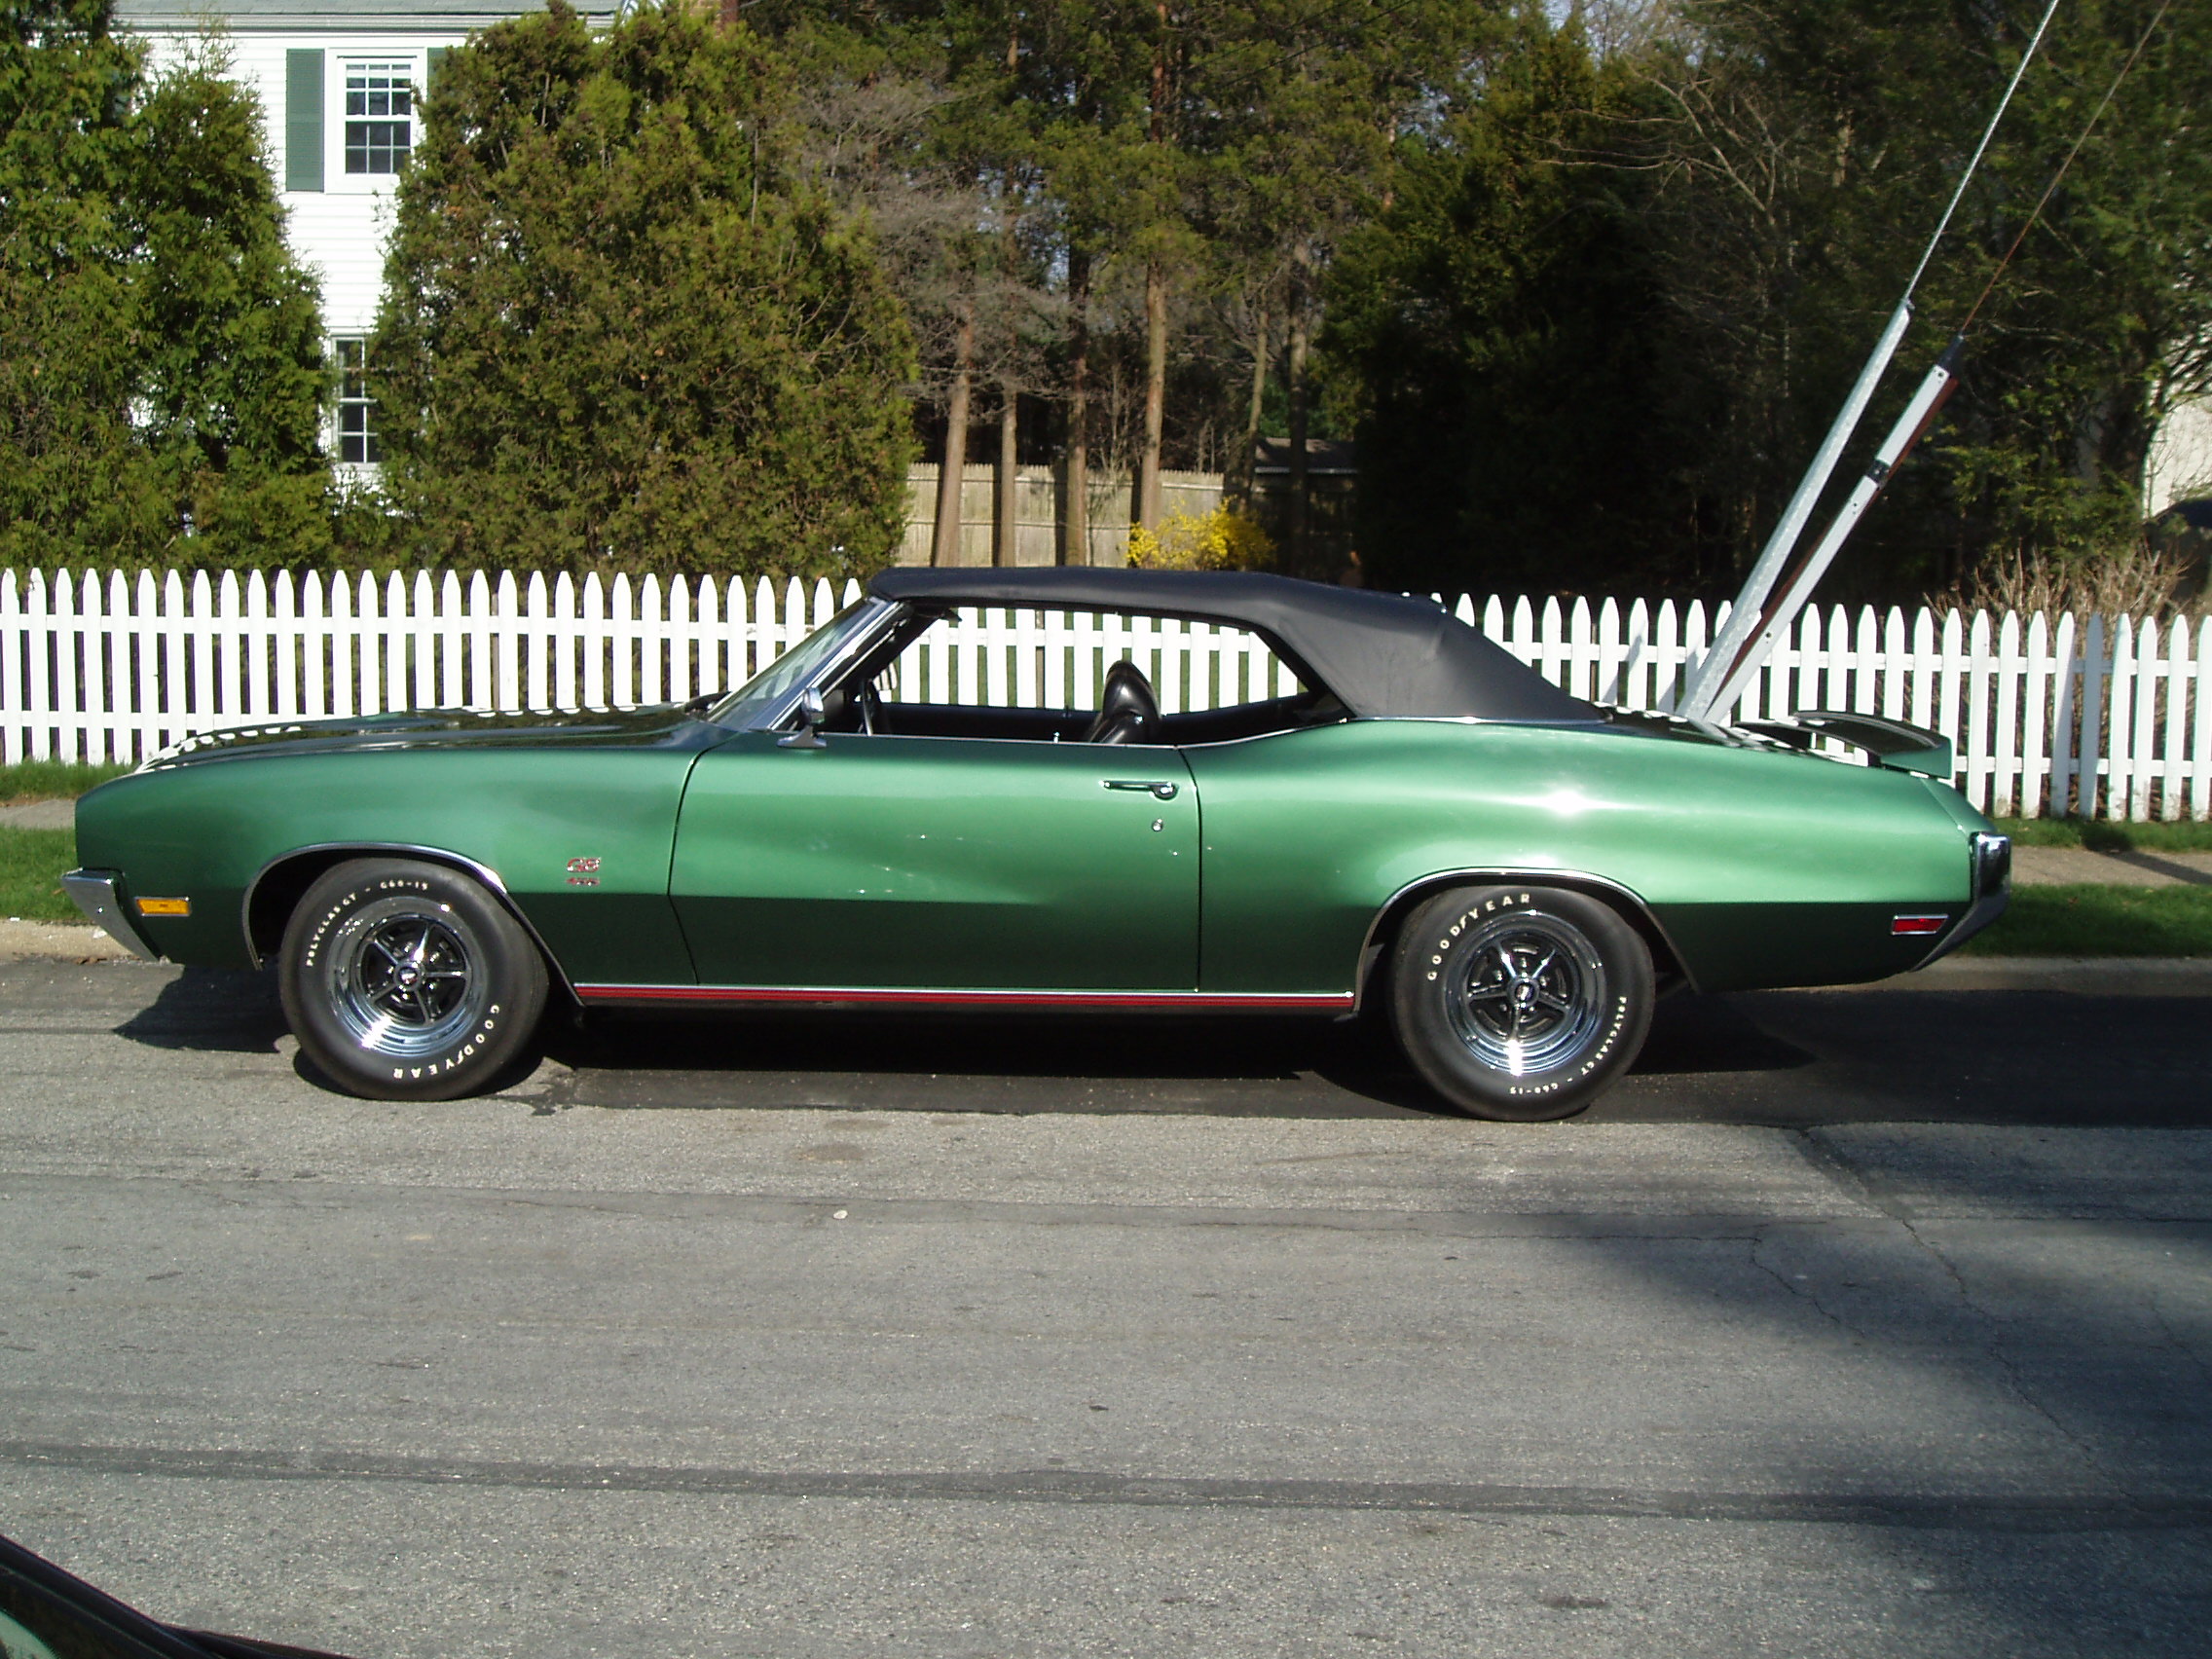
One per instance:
(1526, 993)
(405, 978)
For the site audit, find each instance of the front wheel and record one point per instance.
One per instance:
(405, 981)
(1520, 1002)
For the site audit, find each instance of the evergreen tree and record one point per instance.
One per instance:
(1499, 335)
(619, 330)
(231, 372)
(1634, 289)
(1807, 147)
(74, 483)
(160, 352)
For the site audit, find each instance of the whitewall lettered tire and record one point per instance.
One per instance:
(407, 981)
(1520, 1002)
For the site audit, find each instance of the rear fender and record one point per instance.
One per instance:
(1668, 962)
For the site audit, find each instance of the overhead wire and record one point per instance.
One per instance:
(2057, 178)
(1983, 149)
(1807, 569)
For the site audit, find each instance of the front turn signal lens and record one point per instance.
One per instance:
(164, 907)
(1912, 927)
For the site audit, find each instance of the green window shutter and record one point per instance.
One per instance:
(303, 119)
(437, 56)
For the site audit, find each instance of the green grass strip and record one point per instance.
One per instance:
(2102, 836)
(52, 779)
(2090, 919)
(31, 863)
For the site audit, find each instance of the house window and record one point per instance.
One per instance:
(380, 111)
(357, 440)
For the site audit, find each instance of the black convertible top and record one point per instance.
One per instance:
(1382, 654)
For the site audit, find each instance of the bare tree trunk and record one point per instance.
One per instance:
(1300, 531)
(1004, 529)
(1076, 549)
(1155, 393)
(1247, 458)
(945, 540)
(1155, 307)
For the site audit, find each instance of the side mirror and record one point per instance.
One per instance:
(812, 712)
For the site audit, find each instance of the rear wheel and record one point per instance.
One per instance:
(406, 980)
(1520, 1002)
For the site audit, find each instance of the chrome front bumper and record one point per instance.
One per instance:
(93, 889)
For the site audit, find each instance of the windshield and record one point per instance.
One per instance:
(759, 699)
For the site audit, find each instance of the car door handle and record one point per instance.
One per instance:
(1159, 792)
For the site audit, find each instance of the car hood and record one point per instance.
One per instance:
(441, 729)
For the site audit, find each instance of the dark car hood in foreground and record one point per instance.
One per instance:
(246, 1648)
(434, 729)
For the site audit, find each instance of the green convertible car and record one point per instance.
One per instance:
(1396, 815)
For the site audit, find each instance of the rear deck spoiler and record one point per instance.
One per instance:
(1892, 743)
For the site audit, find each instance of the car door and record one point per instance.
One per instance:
(906, 863)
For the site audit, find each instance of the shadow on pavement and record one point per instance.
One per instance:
(1777, 1057)
(1786, 1058)
(210, 1010)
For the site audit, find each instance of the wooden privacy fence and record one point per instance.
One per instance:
(2096, 716)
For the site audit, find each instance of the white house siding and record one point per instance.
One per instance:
(337, 233)
(2180, 459)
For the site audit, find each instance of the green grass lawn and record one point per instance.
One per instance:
(2101, 836)
(31, 863)
(52, 779)
(2091, 920)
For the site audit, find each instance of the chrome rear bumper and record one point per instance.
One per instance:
(1992, 867)
(93, 889)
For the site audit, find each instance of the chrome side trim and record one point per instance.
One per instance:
(93, 891)
(1372, 944)
(482, 872)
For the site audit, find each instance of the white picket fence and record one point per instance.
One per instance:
(2102, 715)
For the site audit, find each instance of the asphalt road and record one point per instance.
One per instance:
(1862, 1323)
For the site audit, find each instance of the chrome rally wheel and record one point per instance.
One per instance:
(401, 976)
(1525, 991)
(1520, 1002)
(408, 980)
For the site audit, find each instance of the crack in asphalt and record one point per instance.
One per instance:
(1993, 1348)
(1832, 1162)
(1802, 1291)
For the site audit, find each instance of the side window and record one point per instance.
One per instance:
(380, 117)
(1056, 660)
(357, 442)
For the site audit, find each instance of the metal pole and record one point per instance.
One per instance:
(1725, 664)
(1915, 419)
(1702, 697)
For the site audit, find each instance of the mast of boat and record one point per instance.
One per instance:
(1753, 624)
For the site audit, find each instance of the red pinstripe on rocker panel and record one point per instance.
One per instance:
(1327, 1002)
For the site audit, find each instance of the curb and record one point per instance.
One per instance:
(58, 941)
(2079, 975)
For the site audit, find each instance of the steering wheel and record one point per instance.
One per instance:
(872, 709)
(1128, 712)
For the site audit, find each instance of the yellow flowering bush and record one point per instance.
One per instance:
(1224, 539)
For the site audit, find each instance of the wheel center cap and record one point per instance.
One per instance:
(409, 973)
